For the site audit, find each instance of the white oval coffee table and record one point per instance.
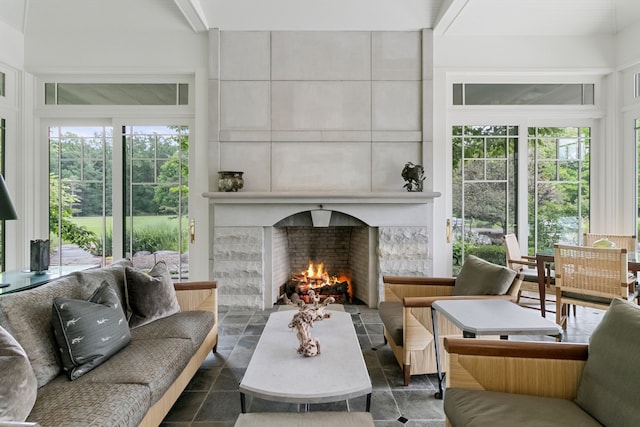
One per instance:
(277, 372)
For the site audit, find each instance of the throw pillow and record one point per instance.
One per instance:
(150, 296)
(480, 277)
(18, 384)
(608, 389)
(89, 332)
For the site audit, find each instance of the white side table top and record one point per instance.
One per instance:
(277, 372)
(495, 317)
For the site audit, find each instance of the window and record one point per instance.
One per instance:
(156, 189)
(522, 94)
(484, 184)
(559, 185)
(116, 93)
(155, 176)
(80, 194)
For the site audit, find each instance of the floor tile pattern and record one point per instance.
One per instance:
(212, 398)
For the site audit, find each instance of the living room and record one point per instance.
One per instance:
(320, 105)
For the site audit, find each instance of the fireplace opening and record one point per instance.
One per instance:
(332, 259)
(315, 278)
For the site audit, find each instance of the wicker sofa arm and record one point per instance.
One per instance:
(198, 295)
(537, 368)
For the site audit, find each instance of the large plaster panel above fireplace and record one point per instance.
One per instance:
(245, 242)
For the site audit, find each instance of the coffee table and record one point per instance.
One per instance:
(277, 372)
(488, 317)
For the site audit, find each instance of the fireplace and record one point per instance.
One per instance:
(259, 240)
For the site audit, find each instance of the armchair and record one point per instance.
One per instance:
(505, 383)
(406, 309)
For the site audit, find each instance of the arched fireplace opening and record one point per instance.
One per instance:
(327, 251)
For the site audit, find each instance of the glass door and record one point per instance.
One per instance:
(156, 189)
(484, 190)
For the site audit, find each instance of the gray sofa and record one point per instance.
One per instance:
(543, 384)
(136, 385)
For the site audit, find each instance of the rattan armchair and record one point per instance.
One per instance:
(406, 315)
(590, 277)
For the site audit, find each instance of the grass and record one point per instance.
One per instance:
(94, 223)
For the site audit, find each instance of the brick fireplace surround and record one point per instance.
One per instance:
(250, 253)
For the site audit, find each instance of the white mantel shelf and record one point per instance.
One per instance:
(247, 208)
(249, 197)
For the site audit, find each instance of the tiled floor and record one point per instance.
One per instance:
(212, 397)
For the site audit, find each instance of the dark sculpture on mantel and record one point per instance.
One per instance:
(414, 177)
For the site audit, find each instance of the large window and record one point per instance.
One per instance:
(156, 189)
(559, 171)
(153, 166)
(80, 194)
(484, 184)
(485, 190)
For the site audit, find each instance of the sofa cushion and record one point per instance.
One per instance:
(82, 404)
(610, 381)
(480, 277)
(391, 315)
(155, 363)
(150, 296)
(113, 274)
(480, 408)
(192, 325)
(18, 384)
(27, 316)
(89, 332)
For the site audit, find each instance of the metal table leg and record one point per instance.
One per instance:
(436, 341)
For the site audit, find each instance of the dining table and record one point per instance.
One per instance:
(545, 258)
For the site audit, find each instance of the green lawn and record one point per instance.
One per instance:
(94, 223)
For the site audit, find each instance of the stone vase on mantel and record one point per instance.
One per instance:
(230, 181)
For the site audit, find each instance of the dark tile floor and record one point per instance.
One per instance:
(212, 397)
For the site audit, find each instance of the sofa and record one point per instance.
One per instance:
(406, 309)
(545, 384)
(110, 346)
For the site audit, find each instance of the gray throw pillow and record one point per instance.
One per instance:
(610, 382)
(150, 296)
(89, 332)
(18, 384)
(480, 277)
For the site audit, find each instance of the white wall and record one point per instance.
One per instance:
(627, 46)
(524, 53)
(313, 15)
(89, 36)
(11, 46)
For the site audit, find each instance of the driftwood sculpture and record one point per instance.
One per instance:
(303, 320)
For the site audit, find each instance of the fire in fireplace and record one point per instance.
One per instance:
(316, 278)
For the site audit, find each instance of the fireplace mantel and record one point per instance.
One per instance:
(219, 197)
(241, 209)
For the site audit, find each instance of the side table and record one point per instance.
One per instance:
(20, 280)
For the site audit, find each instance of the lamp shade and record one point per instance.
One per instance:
(7, 211)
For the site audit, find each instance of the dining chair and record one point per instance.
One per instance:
(620, 241)
(590, 277)
(527, 265)
(627, 242)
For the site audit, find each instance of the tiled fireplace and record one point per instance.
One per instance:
(259, 239)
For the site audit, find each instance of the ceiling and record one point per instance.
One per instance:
(446, 17)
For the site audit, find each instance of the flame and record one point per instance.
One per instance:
(315, 277)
